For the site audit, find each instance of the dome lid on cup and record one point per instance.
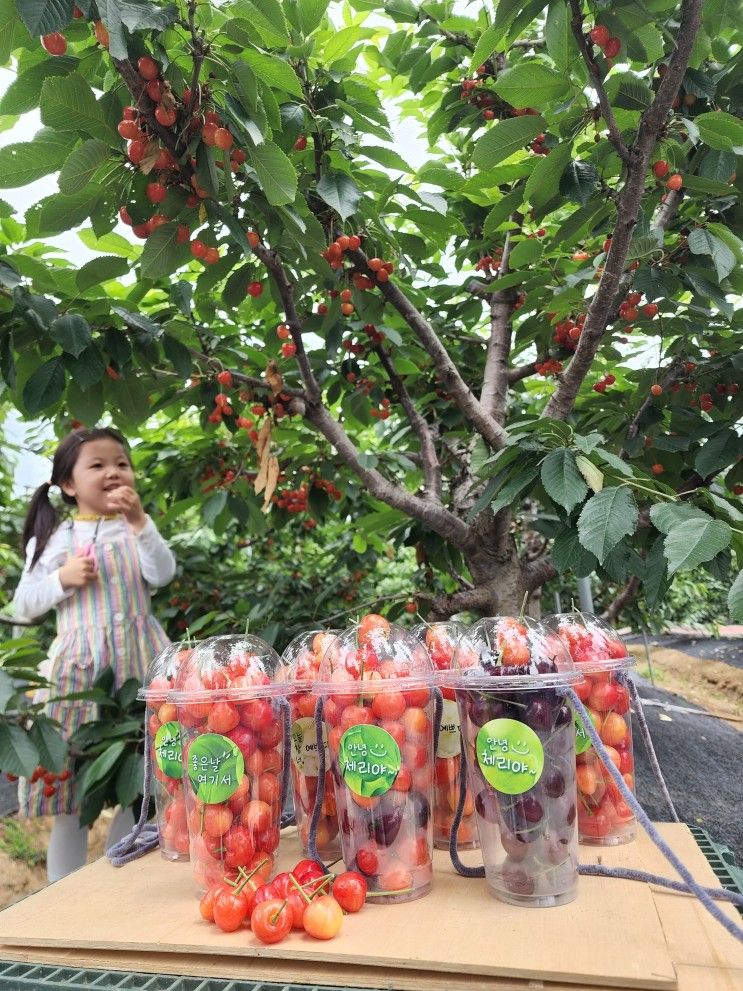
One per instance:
(510, 653)
(303, 656)
(230, 667)
(162, 673)
(591, 642)
(378, 653)
(441, 641)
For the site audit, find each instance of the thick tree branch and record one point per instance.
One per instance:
(537, 573)
(252, 380)
(630, 201)
(423, 430)
(576, 24)
(431, 515)
(494, 394)
(670, 376)
(485, 424)
(522, 372)
(623, 599)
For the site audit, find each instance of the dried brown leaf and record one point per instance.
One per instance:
(273, 376)
(271, 480)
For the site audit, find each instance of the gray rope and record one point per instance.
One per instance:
(630, 874)
(144, 836)
(438, 708)
(459, 867)
(692, 885)
(650, 749)
(287, 818)
(320, 793)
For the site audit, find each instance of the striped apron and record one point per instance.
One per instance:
(108, 623)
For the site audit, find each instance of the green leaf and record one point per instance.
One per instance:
(100, 768)
(217, 212)
(339, 192)
(18, 755)
(129, 779)
(88, 368)
(134, 15)
(138, 321)
(72, 332)
(721, 450)
(50, 745)
(177, 354)
(702, 242)
(691, 543)
(594, 476)
(45, 387)
(519, 480)
(502, 211)
(387, 157)
(562, 480)
(531, 84)
(82, 165)
(725, 235)
(131, 400)
(68, 104)
(666, 515)
(13, 34)
(85, 405)
(162, 254)
(735, 599)
(718, 166)
(22, 95)
(274, 71)
(214, 506)
(45, 16)
(544, 181)
(99, 270)
(60, 212)
(607, 517)
(561, 46)
(275, 173)
(485, 46)
(578, 181)
(28, 161)
(721, 131)
(505, 138)
(526, 252)
(567, 554)
(311, 13)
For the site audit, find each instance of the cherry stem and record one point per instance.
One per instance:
(274, 918)
(300, 889)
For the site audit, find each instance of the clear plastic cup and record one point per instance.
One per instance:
(378, 708)
(164, 734)
(302, 659)
(604, 818)
(441, 640)
(517, 728)
(229, 701)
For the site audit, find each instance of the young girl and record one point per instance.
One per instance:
(95, 570)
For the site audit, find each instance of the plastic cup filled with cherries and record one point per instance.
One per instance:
(231, 703)
(376, 685)
(604, 818)
(164, 736)
(302, 658)
(511, 681)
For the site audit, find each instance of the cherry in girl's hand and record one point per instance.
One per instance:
(125, 500)
(78, 571)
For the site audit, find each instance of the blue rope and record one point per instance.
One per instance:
(287, 818)
(459, 867)
(143, 837)
(692, 885)
(320, 793)
(650, 749)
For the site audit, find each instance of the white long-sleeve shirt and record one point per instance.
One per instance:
(40, 588)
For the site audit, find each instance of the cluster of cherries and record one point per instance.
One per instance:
(473, 93)
(50, 779)
(550, 366)
(602, 37)
(566, 333)
(630, 311)
(603, 383)
(305, 899)
(603, 814)
(490, 263)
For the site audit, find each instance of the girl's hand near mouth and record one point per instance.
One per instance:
(125, 500)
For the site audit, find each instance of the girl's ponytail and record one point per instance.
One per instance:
(41, 521)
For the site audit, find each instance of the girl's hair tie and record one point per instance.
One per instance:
(53, 490)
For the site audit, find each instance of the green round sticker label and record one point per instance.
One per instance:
(168, 750)
(215, 767)
(582, 739)
(369, 760)
(510, 756)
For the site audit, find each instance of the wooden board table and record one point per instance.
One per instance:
(616, 934)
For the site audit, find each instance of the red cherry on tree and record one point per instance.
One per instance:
(137, 150)
(675, 182)
(211, 256)
(155, 192)
(164, 116)
(254, 289)
(54, 43)
(600, 35)
(650, 309)
(198, 248)
(154, 90)
(660, 168)
(225, 378)
(612, 47)
(223, 139)
(128, 129)
(147, 67)
(283, 331)
(657, 469)
(301, 143)
(656, 389)
(289, 349)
